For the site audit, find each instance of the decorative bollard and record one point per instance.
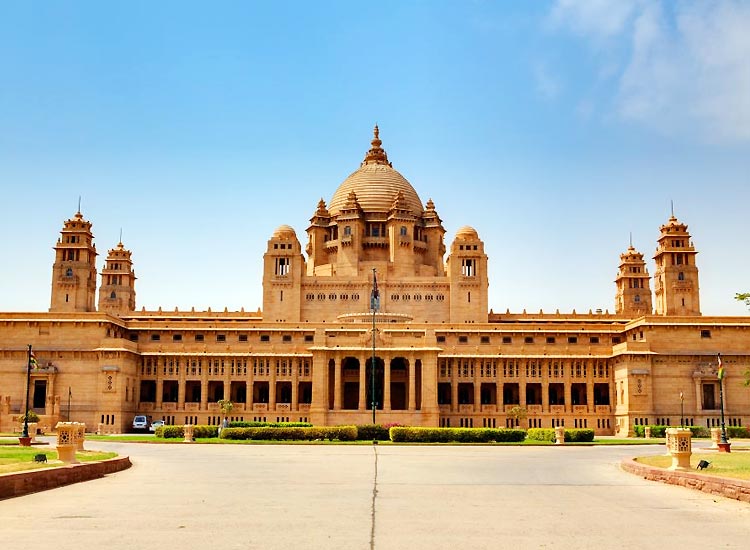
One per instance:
(66, 442)
(559, 435)
(647, 432)
(188, 434)
(32, 431)
(680, 447)
(715, 438)
(80, 435)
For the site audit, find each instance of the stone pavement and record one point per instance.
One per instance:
(372, 497)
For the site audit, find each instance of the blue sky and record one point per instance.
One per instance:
(556, 129)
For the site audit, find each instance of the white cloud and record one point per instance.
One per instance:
(688, 66)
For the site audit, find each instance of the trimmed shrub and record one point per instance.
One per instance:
(661, 431)
(291, 433)
(246, 424)
(459, 435)
(739, 432)
(373, 432)
(171, 432)
(579, 435)
(541, 434)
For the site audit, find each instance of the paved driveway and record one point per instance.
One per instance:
(382, 497)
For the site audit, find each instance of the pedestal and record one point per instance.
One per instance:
(715, 438)
(647, 432)
(680, 447)
(559, 435)
(67, 444)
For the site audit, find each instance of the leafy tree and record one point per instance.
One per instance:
(744, 297)
(226, 407)
(517, 413)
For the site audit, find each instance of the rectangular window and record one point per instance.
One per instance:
(463, 339)
(265, 338)
(528, 340)
(133, 336)
(221, 337)
(177, 337)
(199, 338)
(572, 339)
(286, 338)
(441, 339)
(705, 334)
(594, 340)
(309, 338)
(485, 339)
(243, 338)
(550, 339)
(155, 337)
(507, 340)
(615, 339)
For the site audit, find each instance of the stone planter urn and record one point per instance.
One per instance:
(715, 438)
(188, 429)
(680, 447)
(559, 435)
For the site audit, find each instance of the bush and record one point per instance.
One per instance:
(661, 431)
(291, 433)
(246, 424)
(541, 434)
(373, 432)
(171, 432)
(33, 417)
(579, 435)
(460, 435)
(738, 432)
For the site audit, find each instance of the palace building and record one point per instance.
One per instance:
(440, 356)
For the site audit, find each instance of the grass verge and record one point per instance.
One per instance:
(735, 465)
(14, 458)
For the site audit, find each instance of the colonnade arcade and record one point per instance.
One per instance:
(398, 382)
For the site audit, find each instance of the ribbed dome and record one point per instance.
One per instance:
(467, 233)
(284, 232)
(376, 185)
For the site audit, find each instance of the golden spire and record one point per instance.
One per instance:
(376, 155)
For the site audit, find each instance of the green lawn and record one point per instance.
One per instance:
(14, 458)
(735, 464)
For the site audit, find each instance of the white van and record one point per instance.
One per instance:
(140, 423)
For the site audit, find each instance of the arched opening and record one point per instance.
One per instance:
(379, 370)
(350, 386)
(399, 384)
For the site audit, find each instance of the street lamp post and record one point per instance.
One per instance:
(724, 444)
(682, 410)
(374, 306)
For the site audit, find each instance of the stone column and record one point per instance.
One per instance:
(412, 407)
(386, 384)
(295, 383)
(337, 374)
(568, 397)
(545, 397)
(362, 385)
(590, 394)
(454, 391)
(272, 386)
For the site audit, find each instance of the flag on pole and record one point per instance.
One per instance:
(720, 372)
(32, 361)
(375, 294)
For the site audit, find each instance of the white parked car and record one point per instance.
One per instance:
(156, 424)
(140, 422)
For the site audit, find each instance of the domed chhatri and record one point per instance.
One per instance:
(285, 232)
(376, 184)
(467, 233)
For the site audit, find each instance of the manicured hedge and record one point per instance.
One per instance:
(541, 434)
(739, 432)
(579, 435)
(246, 424)
(373, 432)
(178, 432)
(459, 435)
(661, 431)
(267, 433)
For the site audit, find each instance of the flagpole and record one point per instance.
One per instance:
(69, 396)
(28, 383)
(373, 305)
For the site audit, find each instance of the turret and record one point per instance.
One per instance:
(74, 270)
(117, 291)
(633, 298)
(676, 277)
(283, 267)
(467, 271)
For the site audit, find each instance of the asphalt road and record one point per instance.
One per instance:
(365, 497)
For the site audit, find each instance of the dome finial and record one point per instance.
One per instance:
(376, 155)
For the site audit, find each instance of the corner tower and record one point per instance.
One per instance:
(74, 270)
(676, 276)
(467, 271)
(633, 298)
(117, 292)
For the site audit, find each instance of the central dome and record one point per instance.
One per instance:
(376, 185)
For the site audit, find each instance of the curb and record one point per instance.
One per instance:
(736, 489)
(32, 481)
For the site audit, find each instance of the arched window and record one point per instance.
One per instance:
(113, 295)
(347, 230)
(680, 276)
(69, 272)
(637, 298)
(403, 231)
